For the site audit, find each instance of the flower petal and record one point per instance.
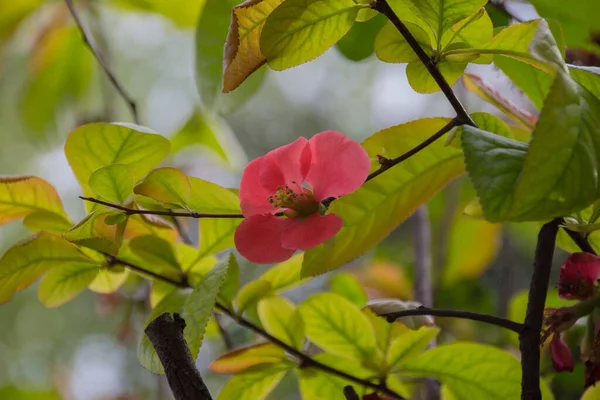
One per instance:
(253, 197)
(578, 275)
(562, 359)
(311, 231)
(258, 238)
(339, 165)
(285, 165)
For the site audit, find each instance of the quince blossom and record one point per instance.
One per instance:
(281, 195)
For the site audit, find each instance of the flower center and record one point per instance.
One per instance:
(299, 203)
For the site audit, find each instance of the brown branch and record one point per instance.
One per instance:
(350, 393)
(133, 211)
(383, 7)
(529, 339)
(305, 360)
(166, 335)
(438, 312)
(95, 49)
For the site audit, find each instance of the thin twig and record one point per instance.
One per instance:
(529, 339)
(438, 312)
(132, 211)
(113, 260)
(389, 163)
(383, 7)
(95, 49)
(305, 360)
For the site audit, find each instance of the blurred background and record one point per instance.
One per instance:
(50, 83)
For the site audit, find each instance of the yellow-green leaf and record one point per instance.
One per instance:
(338, 326)
(232, 280)
(156, 254)
(281, 319)
(97, 145)
(251, 293)
(255, 384)
(592, 393)
(113, 182)
(63, 283)
(408, 345)
(245, 358)
(421, 80)
(47, 221)
(26, 261)
(199, 305)
(166, 185)
(348, 286)
(390, 45)
(109, 280)
(300, 30)
(25, 195)
(381, 204)
(242, 48)
(208, 197)
(216, 234)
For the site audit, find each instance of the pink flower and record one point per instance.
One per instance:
(562, 359)
(578, 276)
(556, 321)
(281, 194)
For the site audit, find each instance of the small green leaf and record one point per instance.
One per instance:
(409, 345)
(255, 384)
(97, 145)
(47, 221)
(216, 234)
(281, 319)
(421, 80)
(208, 197)
(166, 185)
(199, 305)
(113, 182)
(251, 293)
(25, 195)
(285, 275)
(347, 286)
(390, 45)
(592, 393)
(241, 360)
(63, 283)
(300, 30)
(26, 261)
(358, 42)
(381, 204)
(109, 280)
(154, 251)
(173, 303)
(338, 326)
(232, 280)
(115, 218)
(471, 371)
(534, 82)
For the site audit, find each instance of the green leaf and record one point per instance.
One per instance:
(390, 45)
(198, 306)
(251, 293)
(109, 280)
(203, 130)
(578, 20)
(285, 275)
(349, 287)
(232, 280)
(26, 261)
(421, 80)
(173, 303)
(441, 15)
(65, 282)
(27, 195)
(281, 319)
(300, 30)
(544, 181)
(113, 182)
(216, 234)
(338, 326)
(534, 82)
(155, 252)
(408, 346)
(166, 185)
(358, 43)
(208, 197)
(381, 204)
(591, 393)
(47, 221)
(255, 384)
(588, 77)
(471, 371)
(241, 360)
(93, 146)
(211, 34)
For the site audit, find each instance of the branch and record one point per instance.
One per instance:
(95, 49)
(437, 312)
(529, 339)
(166, 335)
(350, 393)
(133, 211)
(305, 360)
(383, 7)
(389, 163)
